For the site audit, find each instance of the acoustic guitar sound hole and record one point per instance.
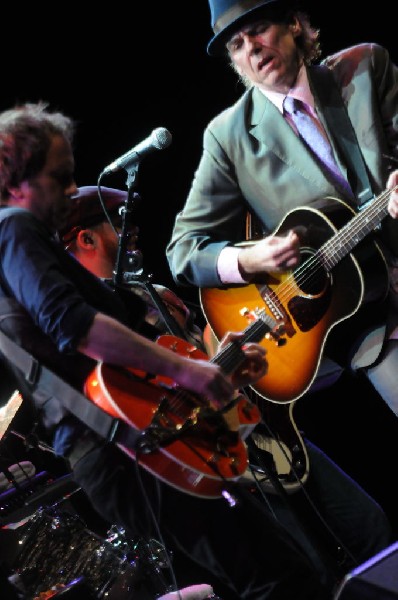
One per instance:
(310, 276)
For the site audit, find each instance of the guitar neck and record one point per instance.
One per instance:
(231, 356)
(347, 238)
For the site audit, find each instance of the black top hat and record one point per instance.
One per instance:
(228, 15)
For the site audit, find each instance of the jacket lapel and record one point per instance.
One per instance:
(271, 129)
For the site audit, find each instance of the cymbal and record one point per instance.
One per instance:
(8, 411)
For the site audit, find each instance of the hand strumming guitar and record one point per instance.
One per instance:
(275, 253)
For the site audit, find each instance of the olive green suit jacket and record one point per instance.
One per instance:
(253, 161)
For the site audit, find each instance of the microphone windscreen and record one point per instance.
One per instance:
(161, 138)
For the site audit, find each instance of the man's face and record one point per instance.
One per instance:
(265, 53)
(48, 194)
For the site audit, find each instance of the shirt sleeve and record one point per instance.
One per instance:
(34, 274)
(227, 265)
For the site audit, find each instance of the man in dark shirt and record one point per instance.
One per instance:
(70, 321)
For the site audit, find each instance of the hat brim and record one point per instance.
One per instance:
(216, 46)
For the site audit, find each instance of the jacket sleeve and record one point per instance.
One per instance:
(212, 218)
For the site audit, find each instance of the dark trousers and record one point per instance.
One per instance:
(256, 550)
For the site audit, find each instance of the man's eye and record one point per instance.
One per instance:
(234, 44)
(260, 29)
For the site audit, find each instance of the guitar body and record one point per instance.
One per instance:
(186, 443)
(309, 301)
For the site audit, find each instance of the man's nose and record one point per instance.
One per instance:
(252, 43)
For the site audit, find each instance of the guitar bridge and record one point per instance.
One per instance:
(276, 331)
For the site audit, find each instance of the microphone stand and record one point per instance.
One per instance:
(132, 198)
(120, 277)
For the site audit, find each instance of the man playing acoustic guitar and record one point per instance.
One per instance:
(302, 150)
(310, 151)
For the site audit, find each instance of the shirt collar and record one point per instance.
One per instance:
(301, 90)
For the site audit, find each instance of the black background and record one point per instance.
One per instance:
(126, 69)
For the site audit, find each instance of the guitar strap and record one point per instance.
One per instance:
(38, 376)
(339, 123)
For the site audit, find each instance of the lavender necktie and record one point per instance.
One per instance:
(316, 142)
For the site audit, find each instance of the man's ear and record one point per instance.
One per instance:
(86, 239)
(295, 27)
(15, 194)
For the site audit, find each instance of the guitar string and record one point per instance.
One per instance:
(300, 275)
(304, 273)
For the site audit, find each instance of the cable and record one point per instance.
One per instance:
(156, 526)
(319, 516)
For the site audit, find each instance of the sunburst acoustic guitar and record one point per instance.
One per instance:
(341, 267)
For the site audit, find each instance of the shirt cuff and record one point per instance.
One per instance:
(227, 265)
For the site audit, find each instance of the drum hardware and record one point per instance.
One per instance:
(150, 558)
(57, 549)
(41, 489)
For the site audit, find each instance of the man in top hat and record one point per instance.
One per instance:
(259, 163)
(256, 160)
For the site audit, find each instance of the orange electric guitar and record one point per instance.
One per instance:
(185, 441)
(341, 267)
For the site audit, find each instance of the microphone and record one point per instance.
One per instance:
(159, 139)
